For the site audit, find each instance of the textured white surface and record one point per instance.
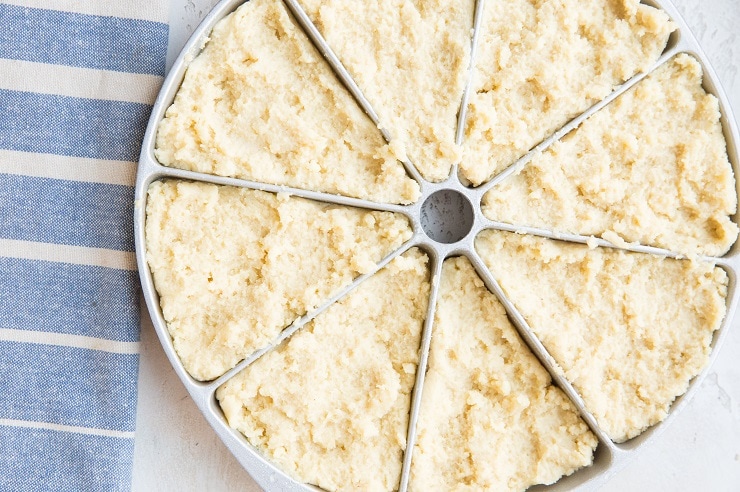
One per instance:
(177, 450)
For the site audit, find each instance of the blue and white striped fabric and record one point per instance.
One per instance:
(77, 80)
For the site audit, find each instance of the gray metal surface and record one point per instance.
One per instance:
(451, 194)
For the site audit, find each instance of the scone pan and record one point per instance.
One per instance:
(609, 457)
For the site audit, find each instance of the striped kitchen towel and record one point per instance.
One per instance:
(77, 80)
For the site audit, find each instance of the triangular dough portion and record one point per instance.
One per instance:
(629, 330)
(260, 103)
(410, 59)
(490, 417)
(233, 267)
(331, 405)
(651, 167)
(542, 63)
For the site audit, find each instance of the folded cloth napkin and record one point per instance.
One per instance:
(77, 80)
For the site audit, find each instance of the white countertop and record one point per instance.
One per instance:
(177, 450)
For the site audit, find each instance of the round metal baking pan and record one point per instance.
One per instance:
(609, 457)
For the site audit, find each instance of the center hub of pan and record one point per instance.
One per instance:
(446, 216)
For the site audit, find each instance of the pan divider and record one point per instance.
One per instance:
(421, 369)
(164, 172)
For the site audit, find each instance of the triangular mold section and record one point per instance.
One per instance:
(629, 330)
(330, 406)
(410, 59)
(490, 416)
(260, 103)
(233, 267)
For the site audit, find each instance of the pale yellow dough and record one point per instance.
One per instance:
(628, 329)
(233, 267)
(330, 406)
(260, 103)
(410, 59)
(541, 63)
(490, 419)
(651, 168)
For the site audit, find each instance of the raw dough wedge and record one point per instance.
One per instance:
(330, 406)
(410, 58)
(490, 419)
(541, 63)
(628, 329)
(260, 103)
(233, 267)
(651, 167)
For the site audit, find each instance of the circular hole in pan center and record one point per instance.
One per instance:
(447, 216)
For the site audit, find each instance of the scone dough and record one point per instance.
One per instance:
(260, 103)
(651, 167)
(233, 267)
(330, 406)
(541, 63)
(410, 58)
(628, 329)
(490, 419)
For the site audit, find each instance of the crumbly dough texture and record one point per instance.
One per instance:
(541, 63)
(330, 406)
(233, 267)
(490, 419)
(651, 168)
(306, 131)
(410, 59)
(628, 329)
